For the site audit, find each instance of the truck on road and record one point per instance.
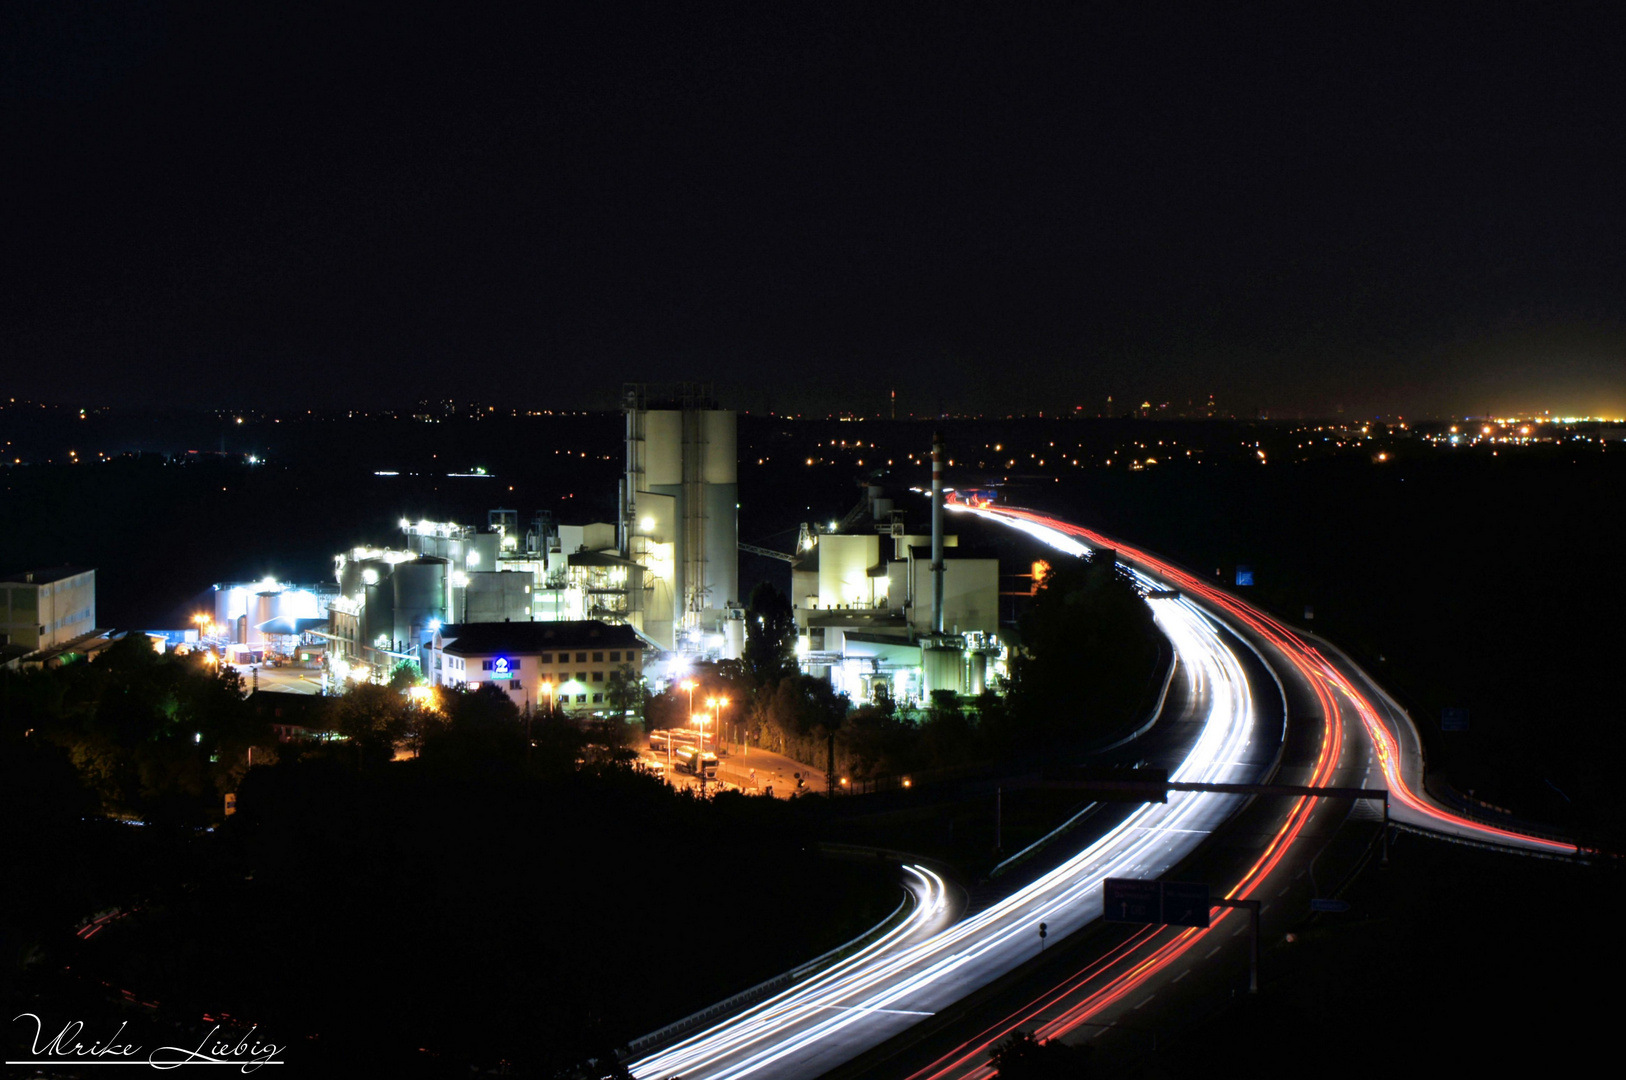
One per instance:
(702, 763)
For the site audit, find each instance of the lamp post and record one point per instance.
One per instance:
(717, 710)
(688, 684)
(699, 721)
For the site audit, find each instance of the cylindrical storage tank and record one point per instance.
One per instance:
(720, 460)
(420, 595)
(225, 616)
(733, 639)
(350, 579)
(941, 666)
(976, 672)
(378, 617)
(663, 448)
(881, 508)
(296, 604)
(263, 609)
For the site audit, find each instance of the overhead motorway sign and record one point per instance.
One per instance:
(1131, 900)
(1185, 903)
(1171, 903)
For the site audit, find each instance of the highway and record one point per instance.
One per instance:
(1338, 681)
(1347, 732)
(866, 999)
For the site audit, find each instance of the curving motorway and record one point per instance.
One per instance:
(869, 998)
(1347, 732)
(1344, 731)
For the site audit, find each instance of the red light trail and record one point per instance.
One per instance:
(1328, 684)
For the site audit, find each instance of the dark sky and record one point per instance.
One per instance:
(978, 205)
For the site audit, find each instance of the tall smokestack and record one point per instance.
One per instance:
(937, 532)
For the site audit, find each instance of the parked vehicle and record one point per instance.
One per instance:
(702, 763)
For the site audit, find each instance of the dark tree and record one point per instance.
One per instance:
(373, 718)
(406, 673)
(1089, 649)
(626, 691)
(770, 636)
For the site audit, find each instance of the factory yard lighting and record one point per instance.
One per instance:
(716, 704)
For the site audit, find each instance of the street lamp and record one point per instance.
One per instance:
(688, 684)
(717, 710)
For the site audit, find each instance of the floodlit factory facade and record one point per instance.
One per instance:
(886, 613)
(680, 510)
(393, 599)
(576, 665)
(666, 569)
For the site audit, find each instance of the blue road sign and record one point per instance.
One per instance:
(1244, 575)
(1131, 900)
(1453, 719)
(1185, 903)
(1329, 905)
(1173, 903)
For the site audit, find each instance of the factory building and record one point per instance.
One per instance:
(666, 570)
(47, 615)
(575, 664)
(885, 612)
(391, 600)
(680, 511)
(252, 619)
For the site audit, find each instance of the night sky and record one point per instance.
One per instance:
(984, 207)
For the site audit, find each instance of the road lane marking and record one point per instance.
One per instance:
(1212, 951)
(1183, 974)
(1143, 1004)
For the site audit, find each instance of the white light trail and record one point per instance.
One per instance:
(872, 995)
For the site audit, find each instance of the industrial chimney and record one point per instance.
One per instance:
(937, 532)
